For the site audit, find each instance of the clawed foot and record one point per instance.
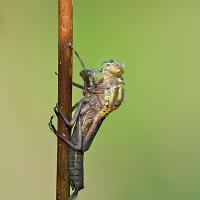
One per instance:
(60, 136)
(56, 73)
(52, 127)
(59, 112)
(56, 110)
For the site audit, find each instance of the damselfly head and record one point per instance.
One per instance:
(111, 67)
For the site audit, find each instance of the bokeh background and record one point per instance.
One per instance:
(149, 148)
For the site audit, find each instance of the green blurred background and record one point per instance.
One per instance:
(149, 148)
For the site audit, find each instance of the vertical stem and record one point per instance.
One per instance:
(65, 36)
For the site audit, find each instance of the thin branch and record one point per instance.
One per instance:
(65, 31)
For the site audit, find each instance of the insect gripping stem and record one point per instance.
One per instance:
(101, 97)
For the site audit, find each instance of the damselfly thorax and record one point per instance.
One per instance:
(107, 97)
(113, 95)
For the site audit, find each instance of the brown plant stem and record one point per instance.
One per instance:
(65, 36)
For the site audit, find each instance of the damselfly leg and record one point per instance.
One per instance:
(73, 146)
(77, 55)
(74, 118)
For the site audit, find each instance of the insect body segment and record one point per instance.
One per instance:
(113, 87)
(113, 98)
(101, 96)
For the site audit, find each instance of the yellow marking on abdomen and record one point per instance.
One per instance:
(112, 100)
(120, 95)
(109, 97)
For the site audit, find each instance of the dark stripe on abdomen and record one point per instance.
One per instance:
(76, 169)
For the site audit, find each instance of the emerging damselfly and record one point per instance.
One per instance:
(101, 95)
